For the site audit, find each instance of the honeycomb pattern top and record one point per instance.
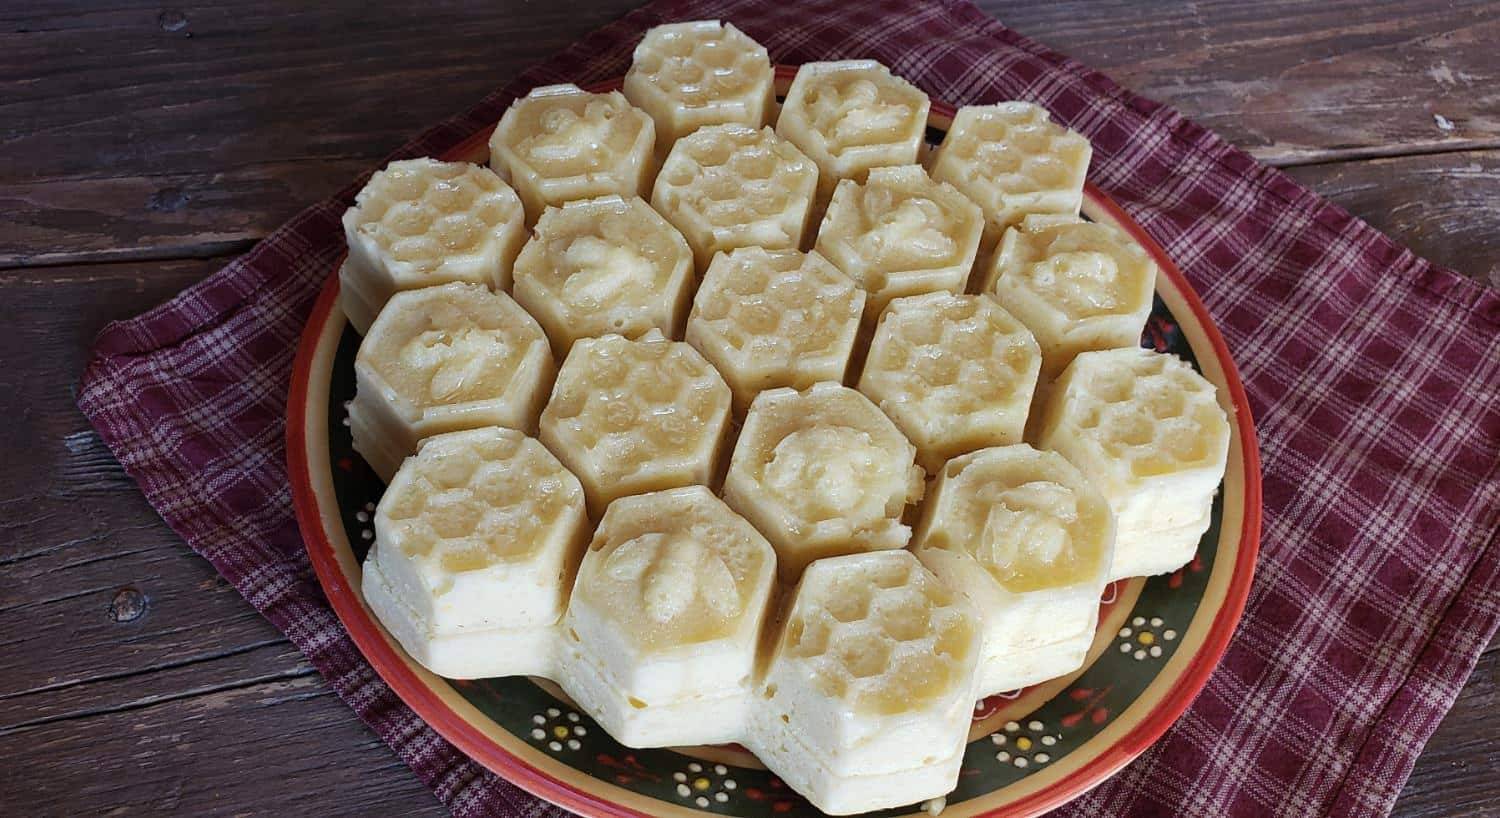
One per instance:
(420, 222)
(477, 507)
(901, 233)
(955, 372)
(1029, 518)
(1077, 285)
(1129, 416)
(438, 354)
(635, 416)
(822, 472)
(676, 567)
(851, 116)
(560, 143)
(728, 186)
(687, 75)
(879, 634)
(1013, 159)
(604, 265)
(769, 318)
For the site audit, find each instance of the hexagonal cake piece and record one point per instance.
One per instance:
(560, 143)
(728, 186)
(604, 265)
(869, 694)
(441, 359)
(1012, 159)
(421, 222)
(769, 318)
(900, 233)
(665, 619)
(1148, 431)
(630, 417)
(955, 372)
(822, 472)
(476, 540)
(1028, 540)
(853, 115)
(703, 72)
(1077, 286)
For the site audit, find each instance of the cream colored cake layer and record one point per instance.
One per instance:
(703, 72)
(1029, 541)
(728, 186)
(901, 233)
(606, 265)
(1012, 159)
(1078, 286)
(870, 690)
(477, 539)
(822, 472)
(629, 417)
(442, 359)
(560, 143)
(851, 116)
(955, 372)
(665, 619)
(770, 318)
(421, 222)
(1148, 431)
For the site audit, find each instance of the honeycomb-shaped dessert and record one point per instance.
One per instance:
(955, 372)
(421, 222)
(822, 472)
(630, 417)
(1013, 159)
(851, 116)
(560, 143)
(900, 233)
(476, 539)
(1078, 286)
(870, 691)
(442, 359)
(604, 265)
(704, 72)
(665, 619)
(1148, 431)
(770, 318)
(728, 186)
(1028, 540)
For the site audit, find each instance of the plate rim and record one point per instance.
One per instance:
(377, 649)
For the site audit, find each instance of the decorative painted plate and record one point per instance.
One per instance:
(1028, 751)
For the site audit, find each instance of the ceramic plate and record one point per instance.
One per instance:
(1028, 751)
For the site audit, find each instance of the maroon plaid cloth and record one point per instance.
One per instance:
(1372, 374)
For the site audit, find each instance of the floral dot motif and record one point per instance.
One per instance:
(1023, 746)
(558, 730)
(703, 784)
(1144, 638)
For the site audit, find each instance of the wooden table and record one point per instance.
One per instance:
(144, 146)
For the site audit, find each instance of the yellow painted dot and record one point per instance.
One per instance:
(700, 783)
(560, 731)
(1024, 743)
(1146, 638)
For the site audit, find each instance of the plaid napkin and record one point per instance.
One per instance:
(1372, 375)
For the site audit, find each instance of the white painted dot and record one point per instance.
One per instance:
(579, 731)
(682, 790)
(538, 719)
(998, 739)
(1125, 647)
(1011, 727)
(1155, 650)
(701, 801)
(1049, 740)
(1020, 762)
(367, 533)
(1140, 654)
(573, 717)
(679, 777)
(362, 516)
(1156, 622)
(721, 797)
(695, 768)
(1034, 726)
(1042, 758)
(346, 421)
(538, 734)
(554, 746)
(730, 783)
(1169, 635)
(553, 712)
(1125, 633)
(574, 744)
(720, 769)
(1002, 756)
(369, 506)
(1138, 621)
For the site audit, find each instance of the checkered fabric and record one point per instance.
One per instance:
(1372, 375)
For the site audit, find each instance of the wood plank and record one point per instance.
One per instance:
(129, 134)
(1456, 774)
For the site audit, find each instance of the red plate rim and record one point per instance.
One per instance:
(395, 672)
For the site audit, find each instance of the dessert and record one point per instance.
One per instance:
(474, 517)
(704, 72)
(770, 318)
(560, 143)
(1027, 539)
(606, 265)
(901, 233)
(442, 359)
(822, 472)
(1148, 431)
(955, 372)
(630, 417)
(728, 186)
(1077, 286)
(421, 222)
